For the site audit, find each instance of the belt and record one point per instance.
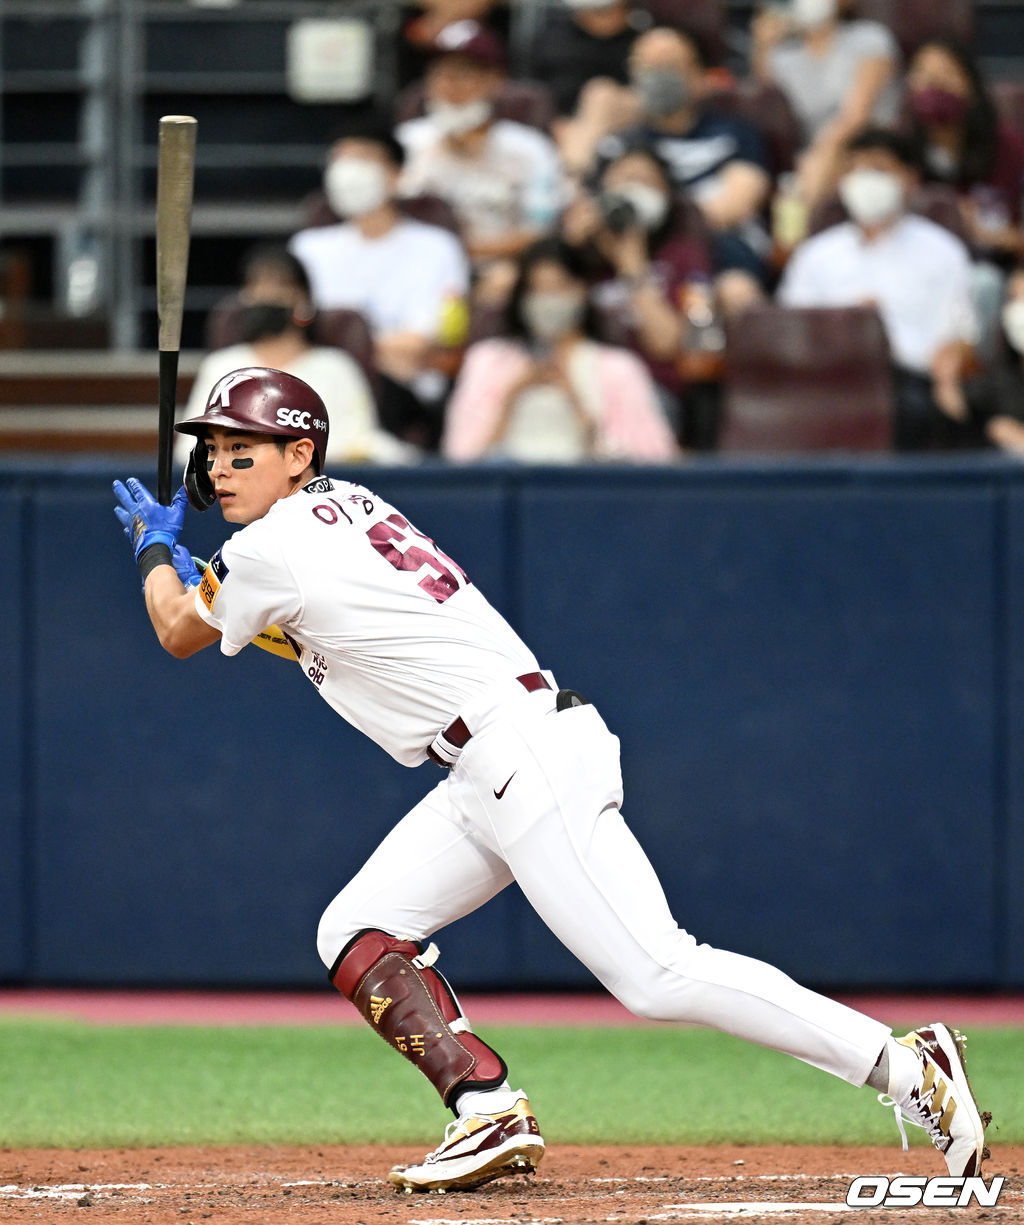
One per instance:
(458, 734)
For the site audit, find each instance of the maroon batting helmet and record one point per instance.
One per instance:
(260, 401)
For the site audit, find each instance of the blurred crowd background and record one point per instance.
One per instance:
(541, 231)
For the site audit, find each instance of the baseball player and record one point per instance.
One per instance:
(396, 637)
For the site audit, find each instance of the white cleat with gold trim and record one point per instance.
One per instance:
(941, 1101)
(475, 1150)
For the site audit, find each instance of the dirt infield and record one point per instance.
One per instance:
(344, 1186)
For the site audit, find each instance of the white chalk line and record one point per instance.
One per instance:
(673, 1212)
(71, 1190)
(670, 1212)
(487, 1220)
(75, 1190)
(724, 1178)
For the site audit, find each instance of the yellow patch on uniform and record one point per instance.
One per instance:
(274, 640)
(209, 587)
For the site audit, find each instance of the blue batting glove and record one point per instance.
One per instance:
(144, 519)
(185, 566)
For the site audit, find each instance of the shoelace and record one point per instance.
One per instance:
(900, 1114)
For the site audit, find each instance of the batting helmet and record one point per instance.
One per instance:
(260, 401)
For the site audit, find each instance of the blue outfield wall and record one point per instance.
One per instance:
(816, 671)
(15, 860)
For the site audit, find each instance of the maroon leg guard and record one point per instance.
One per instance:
(413, 1009)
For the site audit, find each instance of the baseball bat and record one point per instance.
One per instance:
(176, 159)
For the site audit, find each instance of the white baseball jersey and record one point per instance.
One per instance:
(397, 639)
(392, 632)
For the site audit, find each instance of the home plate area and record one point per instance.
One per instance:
(262, 1185)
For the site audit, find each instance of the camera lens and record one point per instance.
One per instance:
(618, 213)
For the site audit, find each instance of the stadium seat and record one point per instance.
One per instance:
(348, 330)
(431, 209)
(767, 109)
(915, 21)
(529, 102)
(340, 329)
(486, 321)
(1008, 97)
(806, 379)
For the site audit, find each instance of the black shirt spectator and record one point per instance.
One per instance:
(576, 44)
(720, 160)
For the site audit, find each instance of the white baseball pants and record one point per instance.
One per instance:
(556, 830)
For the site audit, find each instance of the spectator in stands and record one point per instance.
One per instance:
(631, 230)
(421, 21)
(583, 49)
(839, 75)
(916, 272)
(436, 14)
(963, 142)
(992, 402)
(502, 178)
(719, 159)
(410, 280)
(272, 322)
(548, 391)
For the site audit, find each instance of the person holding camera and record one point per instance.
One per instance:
(720, 160)
(647, 246)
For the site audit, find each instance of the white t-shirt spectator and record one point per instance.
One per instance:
(817, 85)
(336, 377)
(404, 281)
(917, 274)
(517, 182)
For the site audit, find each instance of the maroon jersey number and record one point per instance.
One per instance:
(392, 538)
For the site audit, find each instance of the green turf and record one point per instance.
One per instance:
(76, 1085)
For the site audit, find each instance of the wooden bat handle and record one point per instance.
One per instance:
(175, 175)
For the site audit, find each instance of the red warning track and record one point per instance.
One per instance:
(327, 1008)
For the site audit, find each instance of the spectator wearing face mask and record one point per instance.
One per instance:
(502, 178)
(720, 160)
(548, 391)
(643, 257)
(963, 142)
(406, 277)
(914, 271)
(272, 320)
(838, 75)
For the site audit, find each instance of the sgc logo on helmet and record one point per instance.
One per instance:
(257, 400)
(293, 417)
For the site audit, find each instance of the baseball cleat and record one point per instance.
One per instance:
(942, 1101)
(476, 1150)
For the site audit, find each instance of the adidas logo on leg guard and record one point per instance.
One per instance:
(394, 985)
